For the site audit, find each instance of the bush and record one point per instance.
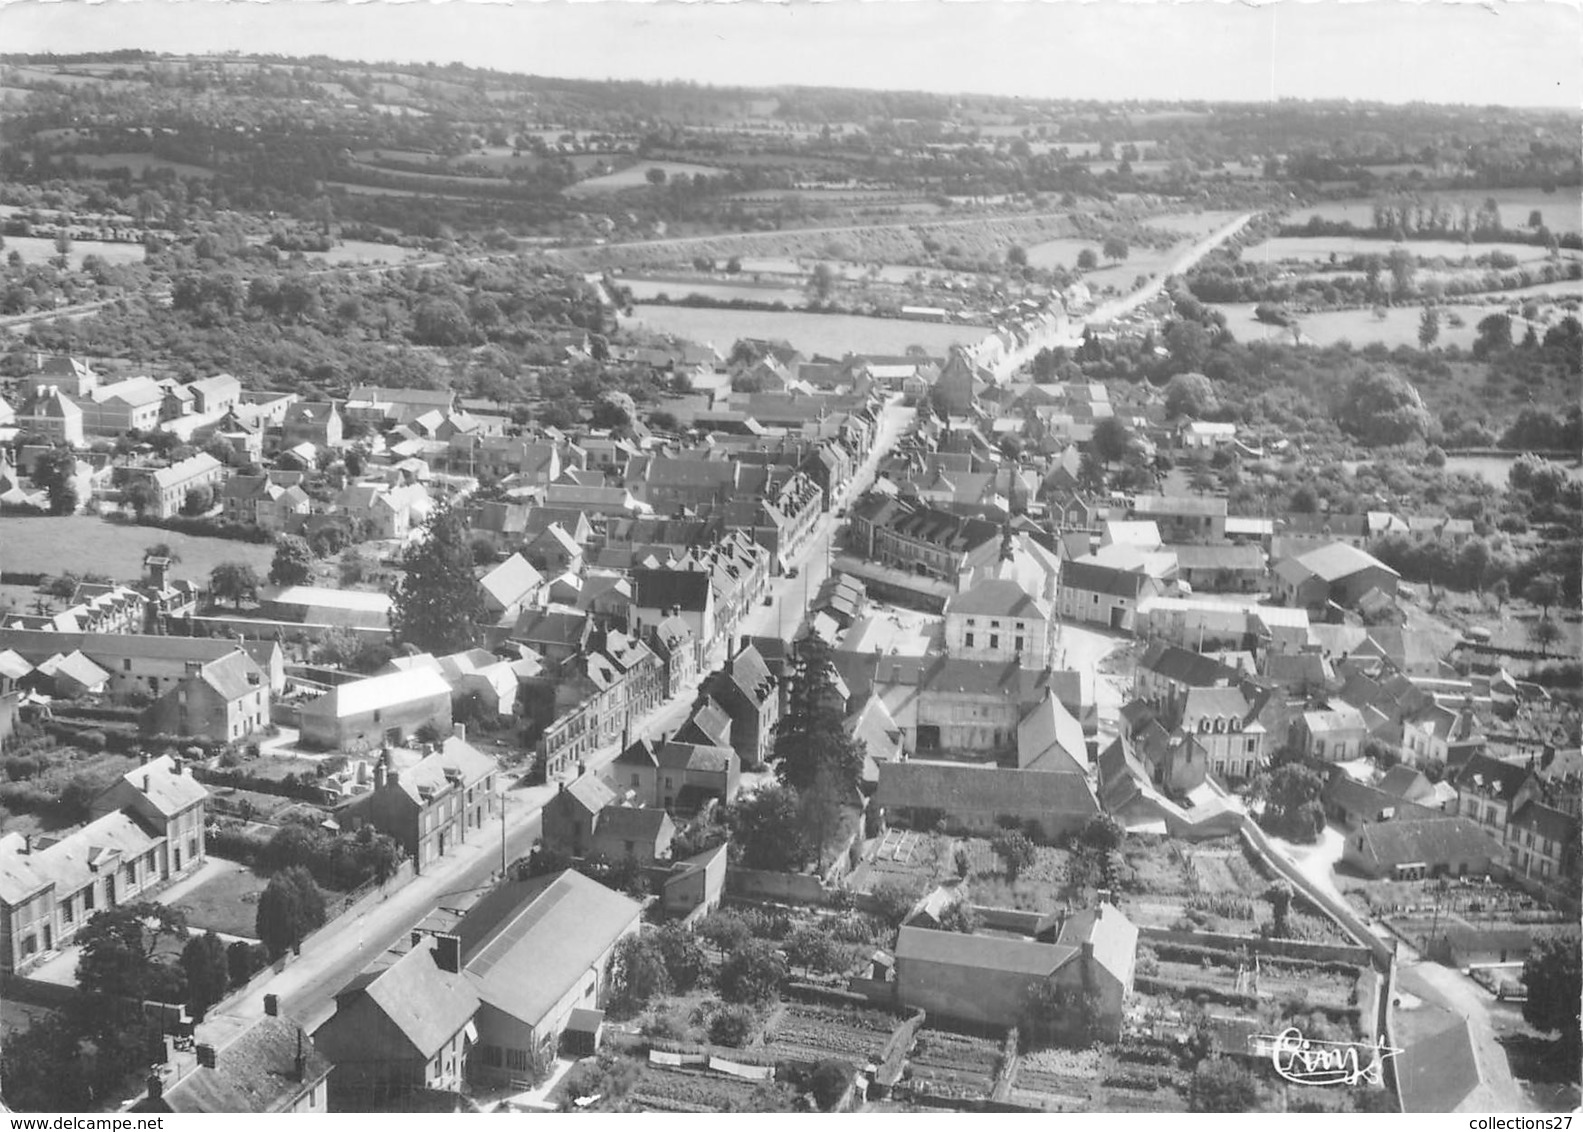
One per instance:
(733, 1026)
(752, 973)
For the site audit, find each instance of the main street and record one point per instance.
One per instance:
(306, 985)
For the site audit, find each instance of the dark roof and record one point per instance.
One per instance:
(257, 1072)
(1490, 776)
(1547, 821)
(1370, 802)
(635, 822)
(662, 589)
(1429, 841)
(1406, 782)
(959, 786)
(1435, 1074)
(988, 953)
(997, 597)
(1092, 577)
(695, 756)
(1184, 666)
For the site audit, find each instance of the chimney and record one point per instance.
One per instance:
(381, 775)
(562, 787)
(272, 1005)
(448, 952)
(27, 843)
(459, 731)
(299, 1063)
(156, 1086)
(582, 768)
(142, 758)
(146, 784)
(175, 764)
(206, 1056)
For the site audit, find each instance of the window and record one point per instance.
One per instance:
(994, 640)
(968, 640)
(1019, 644)
(1253, 745)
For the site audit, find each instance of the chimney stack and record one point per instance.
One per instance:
(156, 1086)
(146, 783)
(300, 1062)
(175, 764)
(272, 1005)
(448, 952)
(381, 774)
(206, 1056)
(459, 731)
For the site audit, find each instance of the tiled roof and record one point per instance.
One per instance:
(989, 953)
(426, 1004)
(996, 597)
(1184, 666)
(257, 1072)
(1429, 841)
(1338, 560)
(167, 791)
(953, 786)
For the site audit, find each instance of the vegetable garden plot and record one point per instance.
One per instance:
(809, 1032)
(954, 1064)
(666, 1089)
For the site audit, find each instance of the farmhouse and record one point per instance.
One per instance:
(1338, 574)
(1429, 847)
(980, 798)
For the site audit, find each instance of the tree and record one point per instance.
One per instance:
(1190, 395)
(1221, 1085)
(290, 907)
(1015, 851)
(894, 900)
(1545, 633)
(655, 176)
(637, 974)
(1544, 590)
(56, 471)
(752, 973)
(1403, 268)
(1111, 441)
(119, 947)
(234, 582)
(441, 322)
(198, 500)
(815, 950)
(1380, 408)
(293, 561)
(1052, 1012)
(1551, 976)
(1536, 219)
(768, 825)
(1495, 335)
(1288, 791)
(1279, 895)
(438, 605)
(959, 917)
(685, 960)
(811, 739)
(829, 1082)
(822, 281)
(1102, 833)
(1115, 248)
(355, 567)
(208, 972)
(1017, 256)
(1428, 327)
(1501, 591)
(1087, 260)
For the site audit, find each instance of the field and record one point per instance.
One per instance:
(833, 335)
(1284, 248)
(810, 1032)
(1399, 327)
(676, 289)
(364, 251)
(636, 176)
(1561, 210)
(49, 545)
(227, 903)
(37, 249)
(139, 163)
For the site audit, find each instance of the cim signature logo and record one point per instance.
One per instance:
(1304, 1061)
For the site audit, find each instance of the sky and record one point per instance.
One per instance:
(1508, 52)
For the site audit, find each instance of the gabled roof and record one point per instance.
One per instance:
(1406, 783)
(1546, 821)
(526, 944)
(663, 589)
(1338, 560)
(511, 581)
(589, 792)
(695, 756)
(959, 786)
(232, 676)
(1050, 739)
(1486, 775)
(167, 791)
(257, 1072)
(72, 862)
(1184, 666)
(1428, 841)
(711, 720)
(996, 597)
(426, 1005)
(982, 952)
(635, 823)
(388, 691)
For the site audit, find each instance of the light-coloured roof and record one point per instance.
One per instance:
(167, 790)
(69, 864)
(321, 597)
(990, 953)
(524, 946)
(1050, 739)
(390, 690)
(996, 597)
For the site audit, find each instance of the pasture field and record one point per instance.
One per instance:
(1398, 327)
(37, 249)
(1562, 210)
(51, 545)
(676, 289)
(227, 903)
(636, 176)
(1345, 247)
(364, 251)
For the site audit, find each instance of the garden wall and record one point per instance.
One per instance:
(795, 888)
(1382, 952)
(1290, 948)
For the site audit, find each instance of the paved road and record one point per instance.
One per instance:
(307, 984)
(1126, 304)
